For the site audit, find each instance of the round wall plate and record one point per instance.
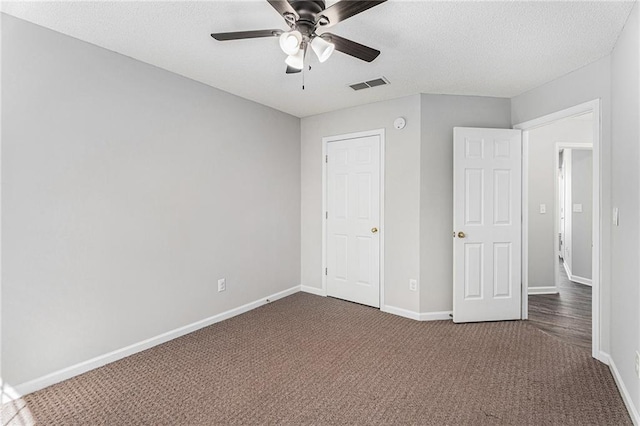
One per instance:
(399, 123)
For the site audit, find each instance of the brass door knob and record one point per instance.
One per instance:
(374, 230)
(461, 234)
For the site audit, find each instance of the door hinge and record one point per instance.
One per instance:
(326, 158)
(325, 271)
(326, 215)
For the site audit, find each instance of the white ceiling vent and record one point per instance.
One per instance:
(371, 83)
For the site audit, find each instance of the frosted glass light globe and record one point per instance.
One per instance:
(290, 42)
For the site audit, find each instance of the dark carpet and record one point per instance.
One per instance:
(312, 360)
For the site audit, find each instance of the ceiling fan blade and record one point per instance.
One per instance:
(238, 35)
(292, 70)
(283, 7)
(352, 48)
(345, 9)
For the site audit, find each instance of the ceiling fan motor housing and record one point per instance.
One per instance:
(309, 12)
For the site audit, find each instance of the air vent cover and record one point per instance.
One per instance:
(359, 86)
(376, 82)
(371, 83)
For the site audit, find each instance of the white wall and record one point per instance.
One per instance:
(542, 184)
(127, 191)
(625, 250)
(581, 222)
(402, 191)
(439, 115)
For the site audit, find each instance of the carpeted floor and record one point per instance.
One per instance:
(312, 360)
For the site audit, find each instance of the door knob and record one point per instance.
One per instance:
(461, 234)
(374, 230)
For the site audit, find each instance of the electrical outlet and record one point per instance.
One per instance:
(222, 284)
(638, 364)
(413, 285)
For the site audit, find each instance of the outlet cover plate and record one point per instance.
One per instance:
(413, 285)
(222, 284)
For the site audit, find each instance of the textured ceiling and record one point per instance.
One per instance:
(469, 48)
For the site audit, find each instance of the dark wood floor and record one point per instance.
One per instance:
(567, 315)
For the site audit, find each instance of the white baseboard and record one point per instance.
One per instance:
(400, 312)
(576, 278)
(542, 290)
(580, 280)
(313, 290)
(8, 393)
(628, 402)
(99, 361)
(436, 316)
(418, 316)
(603, 357)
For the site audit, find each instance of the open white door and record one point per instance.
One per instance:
(487, 224)
(353, 219)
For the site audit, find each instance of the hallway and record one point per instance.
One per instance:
(567, 315)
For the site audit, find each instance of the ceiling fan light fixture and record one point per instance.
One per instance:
(322, 48)
(296, 61)
(290, 42)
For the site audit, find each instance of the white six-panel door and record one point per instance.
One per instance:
(487, 224)
(352, 220)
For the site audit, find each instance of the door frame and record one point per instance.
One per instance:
(556, 218)
(596, 301)
(381, 228)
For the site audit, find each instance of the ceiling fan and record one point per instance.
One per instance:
(304, 18)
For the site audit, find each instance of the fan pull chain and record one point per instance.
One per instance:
(304, 56)
(303, 76)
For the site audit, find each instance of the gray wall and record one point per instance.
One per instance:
(585, 84)
(418, 189)
(402, 192)
(542, 184)
(625, 289)
(439, 115)
(127, 191)
(590, 82)
(614, 80)
(581, 222)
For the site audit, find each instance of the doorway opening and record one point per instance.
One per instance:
(564, 308)
(561, 225)
(573, 213)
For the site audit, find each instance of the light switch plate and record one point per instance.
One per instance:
(543, 208)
